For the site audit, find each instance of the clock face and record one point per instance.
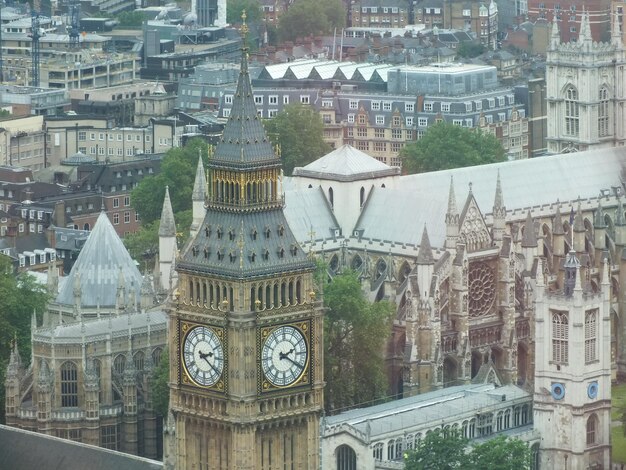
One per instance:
(284, 355)
(203, 356)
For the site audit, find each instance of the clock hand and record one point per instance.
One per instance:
(283, 355)
(292, 361)
(204, 356)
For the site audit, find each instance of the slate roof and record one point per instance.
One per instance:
(244, 142)
(27, 450)
(346, 164)
(525, 184)
(99, 264)
(309, 212)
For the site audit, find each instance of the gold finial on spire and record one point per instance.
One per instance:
(244, 27)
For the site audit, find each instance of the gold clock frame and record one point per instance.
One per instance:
(305, 379)
(184, 327)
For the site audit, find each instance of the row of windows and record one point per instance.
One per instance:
(82, 136)
(29, 213)
(31, 228)
(491, 102)
(481, 426)
(116, 218)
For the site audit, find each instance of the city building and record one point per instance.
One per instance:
(383, 13)
(481, 18)
(22, 142)
(27, 101)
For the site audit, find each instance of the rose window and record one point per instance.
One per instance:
(482, 289)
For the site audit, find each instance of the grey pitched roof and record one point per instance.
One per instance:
(237, 245)
(346, 164)
(27, 450)
(98, 267)
(529, 183)
(308, 212)
(244, 142)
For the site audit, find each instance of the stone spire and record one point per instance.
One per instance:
(585, 39)
(147, 297)
(579, 230)
(452, 218)
(198, 197)
(77, 292)
(557, 226)
(14, 368)
(616, 33)
(598, 217)
(499, 212)
(120, 300)
(425, 254)
(529, 239)
(555, 36)
(52, 282)
(167, 227)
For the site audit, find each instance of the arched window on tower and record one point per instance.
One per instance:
(603, 113)
(572, 122)
(331, 198)
(346, 458)
(362, 197)
(69, 384)
(592, 430)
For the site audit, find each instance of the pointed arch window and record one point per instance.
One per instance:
(591, 322)
(572, 122)
(592, 430)
(69, 384)
(560, 337)
(603, 112)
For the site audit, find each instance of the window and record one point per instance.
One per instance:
(226, 112)
(592, 429)
(422, 122)
(82, 136)
(560, 337)
(571, 112)
(479, 105)
(603, 113)
(21, 227)
(127, 217)
(375, 105)
(591, 319)
(377, 451)
(353, 104)
(304, 99)
(350, 117)
(409, 107)
(92, 136)
(409, 121)
(258, 99)
(69, 384)
(468, 106)
(457, 122)
(428, 105)
(116, 200)
(445, 107)
(380, 119)
(386, 105)
(286, 99)
(327, 103)
(228, 99)
(110, 436)
(273, 99)
(126, 201)
(467, 12)
(101, 136)
(116, 219)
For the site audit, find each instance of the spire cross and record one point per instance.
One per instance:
(244, 27)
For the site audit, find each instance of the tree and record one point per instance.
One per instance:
(20, 296)
(160, 385)
(470, 49)
(178, 171)
(353, 344)
(304, 18)
(443, 450)
(501, 453)
(299, 130)
(438, 451)
(130, 19)
(235, 8)
(447, 146)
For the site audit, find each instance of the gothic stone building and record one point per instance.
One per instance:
(88, 379)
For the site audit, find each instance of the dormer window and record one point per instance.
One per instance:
(231, 234)
(207, 231)
(281, 252)
(266, 254)
(232, 256)
(220, 255)
(267, 232)
(281, 230)
(253, 233)
(252, 256)
(206, 253)
(294, 250)
(194, 251)
(219, 233)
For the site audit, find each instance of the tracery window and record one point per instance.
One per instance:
(572, 123)
(119, 364)
(377, 452)
(69, 384)
(603, 113)
(346, 458)
(591, 335)
(560, 337)
(482, 289)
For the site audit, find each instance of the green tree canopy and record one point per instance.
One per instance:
(235, 8)
(160, 384)
(299, 130)
(446, 146)
(304, 18)
(178, 171)
(470, 49)
(353, 344)
(132, 19)
(20, 296)
(448, 450)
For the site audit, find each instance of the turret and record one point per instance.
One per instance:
(425, 265)
(147, 297)
(499, 213)
(44, 397)
(579, 230)
(91, 385)
(452, 219)
(555, 37)
(15, 372)
(599, 227)
(572, 265)
(585, 40)
(529, 243)
(53, 279)
(558, 234)
(167, 241)
(198, 197)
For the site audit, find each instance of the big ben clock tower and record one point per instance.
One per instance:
(246, 329)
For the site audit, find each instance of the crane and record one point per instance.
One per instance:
(74, 13)
(35, 54)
